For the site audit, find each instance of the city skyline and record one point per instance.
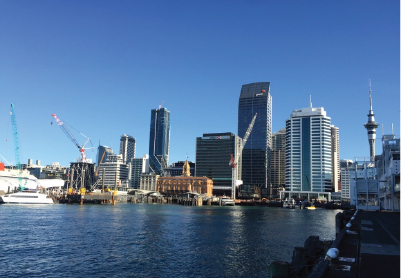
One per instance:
(102, 70)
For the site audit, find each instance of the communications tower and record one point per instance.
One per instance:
(371, 126)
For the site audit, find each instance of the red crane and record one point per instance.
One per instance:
(71, 137)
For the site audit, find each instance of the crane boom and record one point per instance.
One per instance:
(71, 137)
(234, 162)
(247, 133)
(16, 146)
(15, 137)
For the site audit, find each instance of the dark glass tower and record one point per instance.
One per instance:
(159, 140)
(255, 98)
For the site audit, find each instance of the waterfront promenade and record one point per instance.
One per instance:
(376, 249)
(380, 245)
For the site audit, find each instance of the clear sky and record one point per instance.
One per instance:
(101, 66)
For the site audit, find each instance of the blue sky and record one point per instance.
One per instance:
(101, 66)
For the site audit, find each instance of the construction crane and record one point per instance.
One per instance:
(16, 146)
(71, 137)
(234, 161)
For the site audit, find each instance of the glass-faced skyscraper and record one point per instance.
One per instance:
(159, 140)
(255, 98)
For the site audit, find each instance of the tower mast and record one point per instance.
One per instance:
(371, 126)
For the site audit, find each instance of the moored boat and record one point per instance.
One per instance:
(26, 197)
(225, 201)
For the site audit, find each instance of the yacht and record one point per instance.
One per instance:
(26, 197)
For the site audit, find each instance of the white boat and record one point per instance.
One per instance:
(26, 197)
(225, 201)
(11, 179)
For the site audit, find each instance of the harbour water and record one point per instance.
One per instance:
(152, 240)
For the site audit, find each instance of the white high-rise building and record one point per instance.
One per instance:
(116, 172)
(137, 167)
(308, 154)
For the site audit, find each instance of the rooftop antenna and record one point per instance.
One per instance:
(392, 129)
(310, 101)
(160, 106)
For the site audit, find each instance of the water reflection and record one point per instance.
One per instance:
(144, 240)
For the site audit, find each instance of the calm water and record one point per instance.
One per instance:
(145, 240)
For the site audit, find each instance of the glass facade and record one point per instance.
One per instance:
(255, 98)
(277, 160)
(213, 154)
(159, 140)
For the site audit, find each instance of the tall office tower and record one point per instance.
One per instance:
(159, 140)
(256, 98)
(345, 166)
(371, 126)
(137, 166)
(335, 159)
(308, 153)
(213, 154)
(102, 153)
(277, 161)
(127, 147)
(116, 171)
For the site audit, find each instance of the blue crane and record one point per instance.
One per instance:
(16, 146)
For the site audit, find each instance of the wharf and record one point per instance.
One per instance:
(370, 247)
(91, 199)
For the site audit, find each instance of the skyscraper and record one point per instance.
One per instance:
(335, 159)
(255, 98)
(159, 140)
(308, 153)
(137, 167)
(127, 147)
(213, 153)
(371, 126)
(277, 161)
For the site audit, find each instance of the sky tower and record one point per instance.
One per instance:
(371, 126)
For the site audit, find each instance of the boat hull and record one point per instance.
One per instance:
(26, 198)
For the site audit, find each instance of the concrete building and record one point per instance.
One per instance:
(345, 166)
(308, 155)
(127, 147)
(277, 162)
(159, 140)
(137, 167)
(255, 98)
(116, 172)
(364, 184)
(213, 154)
(389, 174)
(335, 159)
(148, 182)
